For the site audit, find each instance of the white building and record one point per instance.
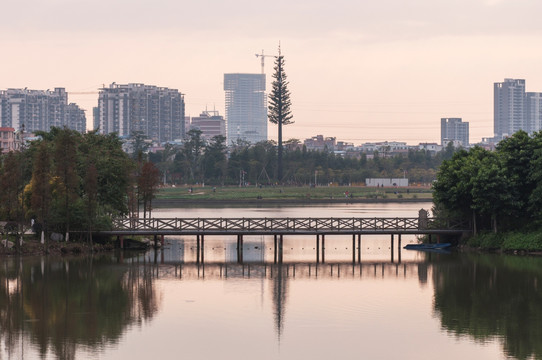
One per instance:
(246, 107)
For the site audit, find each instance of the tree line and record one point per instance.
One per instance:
(67, 181)
(496, 190)
(212, 162)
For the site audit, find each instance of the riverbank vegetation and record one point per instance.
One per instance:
(67, 182)
(212, 163)
(500, 192)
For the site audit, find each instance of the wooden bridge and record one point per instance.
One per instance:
(283, 226)
(279, 227)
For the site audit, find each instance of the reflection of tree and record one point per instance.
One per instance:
(58, 306)
(493, 296)
(280, 288)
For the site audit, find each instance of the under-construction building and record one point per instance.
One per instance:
(246, 107)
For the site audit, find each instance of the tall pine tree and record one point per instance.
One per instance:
(279, 106)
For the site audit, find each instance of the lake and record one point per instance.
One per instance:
(164, 304)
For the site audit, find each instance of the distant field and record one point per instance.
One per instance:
(291, 193)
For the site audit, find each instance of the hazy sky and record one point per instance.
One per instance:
(358, 70)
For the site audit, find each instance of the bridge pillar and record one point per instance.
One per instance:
(121, 241)
(162, 240)
(240, 248)
(353, 248)
(359, 248)
(275, 248)
(392, 249)
(197, 249)
(281, 245)
(317, 248)
(399, 247)
(323, 248)
(202, 248)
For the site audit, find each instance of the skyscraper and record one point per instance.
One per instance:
(454, 129)
(157, 112)
(509, 97)
(533, 111)
(246, 107)
(514, 109)
(34, 110)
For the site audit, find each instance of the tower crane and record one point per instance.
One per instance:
(263, 56)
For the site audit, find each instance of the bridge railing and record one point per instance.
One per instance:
(277, 224)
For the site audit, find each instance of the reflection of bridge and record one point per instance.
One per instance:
(278, 227)
(194, 271)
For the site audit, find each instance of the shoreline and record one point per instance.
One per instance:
(181, 202)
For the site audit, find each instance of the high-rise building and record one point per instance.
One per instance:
(514, 109)
(454, 129)
(157, 112)
(210, 123)
(246, 107)
(533, 111)
(33, 110)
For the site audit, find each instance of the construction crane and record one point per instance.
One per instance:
(263, 56)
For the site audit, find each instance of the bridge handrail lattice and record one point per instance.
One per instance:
(278, 224)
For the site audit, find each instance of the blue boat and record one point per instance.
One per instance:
(442, 246)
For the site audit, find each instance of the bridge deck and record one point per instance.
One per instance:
(282, 226)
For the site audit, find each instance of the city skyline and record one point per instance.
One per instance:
(362, 72)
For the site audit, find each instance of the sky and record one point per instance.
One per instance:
(358, 70)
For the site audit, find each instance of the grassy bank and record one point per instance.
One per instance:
(296, 193)
(508, 242)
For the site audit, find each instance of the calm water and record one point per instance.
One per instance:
(163, 305)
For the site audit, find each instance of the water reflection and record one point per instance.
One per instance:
(57, 307)
(63, 308)
(484, 297)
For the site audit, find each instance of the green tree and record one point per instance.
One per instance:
(279, 106)
(41, 189)
(148, 183)
(65, 170)
(214, 160)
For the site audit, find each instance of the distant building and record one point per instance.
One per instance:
(210, 123)
(319, 143)
(157, 112)
(508, 115)
(246, 107)
(386, 182)
(455, 130)
(533, 111)
(515, 109)
(8, 140)
(33, 110)
(431, 147)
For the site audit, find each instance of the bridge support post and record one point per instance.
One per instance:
(121, 241)
(399, 247)
(353, 248)
(281, 245)
(359, 248)
(275, 248)
(392, 249)
(323, 248)
(162, 240)
(202, 248)
(240, 248)
(317, 248)
(197, 249)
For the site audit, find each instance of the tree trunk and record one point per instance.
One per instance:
(279, 155)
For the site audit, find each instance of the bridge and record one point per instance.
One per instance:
(279, 227)
(284, 226)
